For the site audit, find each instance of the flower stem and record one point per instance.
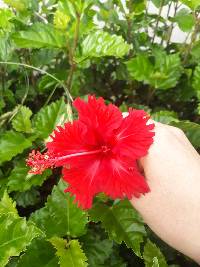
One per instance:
(157, 20)
(193, 38)
(72, 52)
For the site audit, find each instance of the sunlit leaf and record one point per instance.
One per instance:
(21, 180)
(61, 20)
(16, 234)
(5, 16)
(100, 44)
(69, 253)
(40, 35)
(19, 5)
(11, 144)
(21, 121)
(60, 216)
(153, 257)
(185, 20)
(193, 4)
(46, 120)
(164, 74)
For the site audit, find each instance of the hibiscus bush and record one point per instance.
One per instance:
(52, 52)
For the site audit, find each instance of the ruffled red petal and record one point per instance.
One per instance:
(98, 152)
(68, 139)
(118, 178)
(101, 119)
(134, 136)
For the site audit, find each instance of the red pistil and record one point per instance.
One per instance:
(39, 162)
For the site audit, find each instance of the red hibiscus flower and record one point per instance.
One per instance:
(98, 152)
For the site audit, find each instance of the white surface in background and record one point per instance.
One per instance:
(177, 35)
(2, 4)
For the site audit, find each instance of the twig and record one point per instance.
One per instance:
(43, 72)
(193, 38)
(172, 25)
(72, 53)
(157, 20)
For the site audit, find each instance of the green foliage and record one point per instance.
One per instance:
(40, 35)
(122, 223)
(61, 20)
(17, 4)
(193, 4)
(185, 20)
(27, 198)
(11, 144)
(62, 213)
(191, 129)
(153, 257)
(69, 253)
(39, 254)
(164, 116)
(21, 121)
(114, 49)
(20, 180)
(196, 80)
(97, 250)
(164, 74)
(49, 117)
(5, 16)
(160, 3)
(15, 233)
(101, 44)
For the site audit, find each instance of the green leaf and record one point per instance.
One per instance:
(193, 4)
(96, 250)
(5, 47)
(27, 198)
(21, 180)
(7, 205)
(195, 52)
(40, 35)
(100, 44)
(159, 3)
(191, 129)
(140, 68)
(164, 74)
(15, 232)
(61, 212)
(11, 144)
(137, 7)
(153, 257)
(185, 20)
(115, 260)
(69, 253)
(61, 20)
(164, 116)
(122, 223)
(5, 16)
(19, 5)
(49, 117)
(167, 70)
(196, 80)
(39, 254)
(21, 121)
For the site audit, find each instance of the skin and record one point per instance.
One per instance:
(172, 208)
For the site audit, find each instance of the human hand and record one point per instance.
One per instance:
(172, 208)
